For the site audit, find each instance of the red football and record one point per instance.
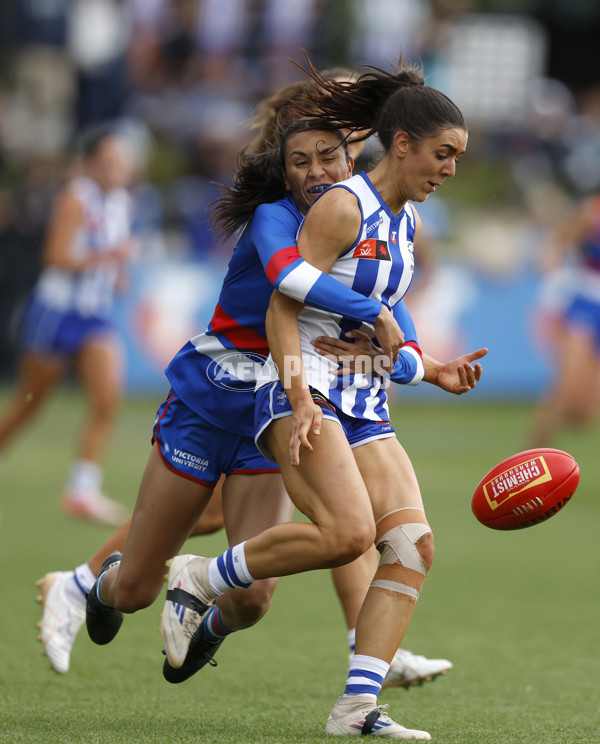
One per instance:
(525, 489)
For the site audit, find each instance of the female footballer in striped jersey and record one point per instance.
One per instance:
(354, 481)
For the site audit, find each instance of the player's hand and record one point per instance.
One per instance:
(459, 375)
(389, 336)
(306, 420)
(347, 352)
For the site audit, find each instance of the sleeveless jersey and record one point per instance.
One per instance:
(215, 372)
(106, 221)
(380, 265)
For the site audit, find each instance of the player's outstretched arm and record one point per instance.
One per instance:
(457, 376)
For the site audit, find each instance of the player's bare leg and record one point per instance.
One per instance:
(573, 396)
(328, 489)
(210, 521)
(392, 486)
(406, 546)
(62, 594)
(164, 498)
(133, 581)
(251, 504)
(38, 377)
(99, 367)
(352, 583)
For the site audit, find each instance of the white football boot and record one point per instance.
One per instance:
(408, 669)
(189, 595)
(358, 715)
(61, 620)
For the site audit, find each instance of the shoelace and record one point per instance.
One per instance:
(372, 718)
(191, 624)
(209, 659)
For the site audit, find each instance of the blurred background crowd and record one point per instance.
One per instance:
(183, 76)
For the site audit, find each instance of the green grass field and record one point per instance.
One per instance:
(517, 613)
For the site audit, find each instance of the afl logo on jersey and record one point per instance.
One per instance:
(372, 248)
(234, 370)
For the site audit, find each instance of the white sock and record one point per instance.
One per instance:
(74, 591)
(352, 639)
(84, 576)
(85, 477)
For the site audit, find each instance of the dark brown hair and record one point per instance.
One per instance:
(381, 103)
(259, 176)
(258, 179)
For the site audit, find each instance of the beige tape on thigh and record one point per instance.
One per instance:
(401, 570)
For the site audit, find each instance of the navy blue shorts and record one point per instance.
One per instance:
(48, 331)
(272, 403)
(200, 451)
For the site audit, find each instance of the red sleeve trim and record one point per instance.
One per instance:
(414, 346)
(279, 260)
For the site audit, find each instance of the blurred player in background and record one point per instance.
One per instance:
(67, 320)
(571, 256)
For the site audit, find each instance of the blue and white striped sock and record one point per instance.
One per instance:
(229, 571)
(213, 627)
(366, 675)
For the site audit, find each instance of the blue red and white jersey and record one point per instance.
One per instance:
(215, 372)
(106, 222)
(379, 265)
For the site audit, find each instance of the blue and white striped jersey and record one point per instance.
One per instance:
(379, 265)
(106, 221)
(215, 372)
